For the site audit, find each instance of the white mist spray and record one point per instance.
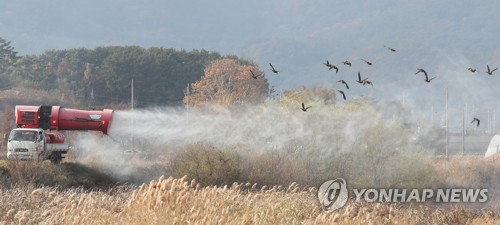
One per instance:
(324, 131)
(257, 126)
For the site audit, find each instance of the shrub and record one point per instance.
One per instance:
(44, 173)
(207, 164)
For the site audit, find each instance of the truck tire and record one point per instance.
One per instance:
(56, 158)
(4, 173)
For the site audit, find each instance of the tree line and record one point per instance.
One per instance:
(102, 76)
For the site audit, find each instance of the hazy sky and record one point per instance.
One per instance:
(297, 36)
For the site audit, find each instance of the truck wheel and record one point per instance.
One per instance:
(56, 158)
(4, 173)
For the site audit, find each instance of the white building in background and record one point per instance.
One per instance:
(494, 146)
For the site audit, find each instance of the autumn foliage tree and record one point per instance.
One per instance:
(227, 82)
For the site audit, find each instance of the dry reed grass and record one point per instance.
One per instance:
(179, 201)
(185, 201)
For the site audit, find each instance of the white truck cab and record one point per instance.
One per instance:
(32, 143)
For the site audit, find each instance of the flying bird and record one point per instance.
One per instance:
(334, 67)
(425, 73)
(345, 83)
(341, 92)
(345, 62)
(305, 108)
(471, 69)
(476, 120)
(367, 82)
(391, 49)
(255, 76)
(331, 66)
(367, 62)
(327, 64)
(361, 80)
(488, 71)
(421, 70)
(272, 68)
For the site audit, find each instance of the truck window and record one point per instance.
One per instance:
(23, 135)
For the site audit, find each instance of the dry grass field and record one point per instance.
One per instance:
(185, 201)
(178, 201)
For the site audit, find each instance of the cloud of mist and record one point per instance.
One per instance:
(261, 127)
(325, 129)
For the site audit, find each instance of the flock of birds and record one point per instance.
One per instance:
(365, 81)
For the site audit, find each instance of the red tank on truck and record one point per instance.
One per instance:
(38, 134)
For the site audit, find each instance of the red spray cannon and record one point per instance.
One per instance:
(59, 118)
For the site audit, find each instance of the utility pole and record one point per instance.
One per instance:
(132, 110)
(446, 121)
(187, 101)
(91, 102)
(494, 121)
(466, 113)
(489, 122)
(463, 130)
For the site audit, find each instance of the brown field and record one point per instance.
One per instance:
(185, 201)
(178, 201)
